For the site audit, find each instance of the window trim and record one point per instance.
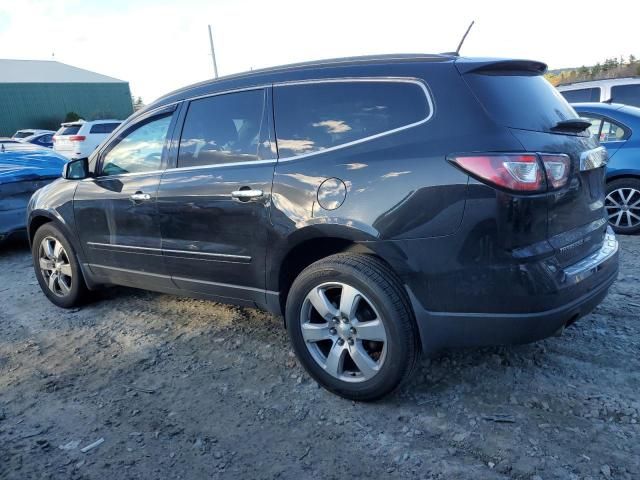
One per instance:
(412, 80)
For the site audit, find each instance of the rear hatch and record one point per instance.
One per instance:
(517, 96)
(66, 139)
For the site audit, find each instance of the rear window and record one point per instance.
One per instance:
(527, 102)
(70, 130)
(627, 94)
(582, 95)
(103, 127)
(316, 116)
(23, 134)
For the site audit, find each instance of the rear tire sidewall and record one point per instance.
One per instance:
(78, 288)
(624, 183)
(400, 343)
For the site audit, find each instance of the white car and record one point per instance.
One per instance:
(614, 90)
(78, 139)
(28, 132)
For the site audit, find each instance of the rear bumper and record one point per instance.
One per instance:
(591, 278)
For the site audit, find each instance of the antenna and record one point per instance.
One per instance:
(213, 54)
(464, 37)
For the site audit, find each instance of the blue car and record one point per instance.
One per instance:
(24, 168)
(618, 129)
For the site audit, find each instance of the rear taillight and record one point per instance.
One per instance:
(518, 172)
(77, 138)
(557, 168)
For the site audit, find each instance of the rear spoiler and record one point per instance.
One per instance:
(496, 66)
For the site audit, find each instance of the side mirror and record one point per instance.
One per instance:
(76, 169)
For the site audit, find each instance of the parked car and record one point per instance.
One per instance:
(29, 132)
(79, 139)
(614, 90)
(385, 205)
(614, 126)
(22, 172)
(40, 139)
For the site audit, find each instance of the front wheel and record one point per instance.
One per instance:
(57, 268)
(352, 327)
(623, 205)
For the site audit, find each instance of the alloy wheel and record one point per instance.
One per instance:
(623, 207)
(55, 266)
(343, 332)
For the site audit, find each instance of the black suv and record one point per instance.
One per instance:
(385, 205)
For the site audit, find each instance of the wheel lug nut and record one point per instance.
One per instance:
(345, 319)
(340, 341)
(350, 341)
(332, 331)
(336, 320)
(352, 330)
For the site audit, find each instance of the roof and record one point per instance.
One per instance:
(48, 71)
(597, 83)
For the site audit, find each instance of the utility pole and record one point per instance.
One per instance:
(213, 54)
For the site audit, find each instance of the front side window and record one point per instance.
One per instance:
(315, 116)
(582, 95)
(627, 94)
(222, 129)
(138, 149)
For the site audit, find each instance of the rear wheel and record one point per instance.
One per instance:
(351, 326)
(57, 268)
(623, 205)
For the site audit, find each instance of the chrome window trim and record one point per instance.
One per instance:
(218, 165)
(410, 80)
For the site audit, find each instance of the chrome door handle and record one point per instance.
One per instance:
(247, 194)
(140, 197)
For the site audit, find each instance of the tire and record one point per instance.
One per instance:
(69, 288)
(361, 349)
(623, 205)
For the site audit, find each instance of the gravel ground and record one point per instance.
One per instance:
(181, 388)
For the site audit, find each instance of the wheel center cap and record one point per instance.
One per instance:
(343, 330)
(625, 207)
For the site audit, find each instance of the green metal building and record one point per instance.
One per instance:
(40, 93)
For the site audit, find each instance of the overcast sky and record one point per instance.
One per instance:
(160, 45)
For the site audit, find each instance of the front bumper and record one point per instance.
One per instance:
(577, 290)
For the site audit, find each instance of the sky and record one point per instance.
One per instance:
(160, 45)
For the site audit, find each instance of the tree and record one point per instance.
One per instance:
(138, 104)
(71, 117)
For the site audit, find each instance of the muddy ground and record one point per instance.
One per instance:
(181, 388)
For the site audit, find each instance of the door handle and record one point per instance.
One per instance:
(246, 195)
(140, 197)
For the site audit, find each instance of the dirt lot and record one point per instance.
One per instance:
(180, 388)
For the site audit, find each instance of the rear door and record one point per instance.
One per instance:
(516, 95)
(214, 206)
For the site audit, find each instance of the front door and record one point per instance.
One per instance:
(214, 206)
(116, 209)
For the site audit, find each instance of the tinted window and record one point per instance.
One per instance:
(582, 95)
(70, 130)
(103, 127)
(23, 134)
(317, 116)
(627, 94)
(138, 150)
(594, 129)
(222, 129)
(527, 102)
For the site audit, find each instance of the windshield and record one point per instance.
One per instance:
(518, 100)
(23, 134)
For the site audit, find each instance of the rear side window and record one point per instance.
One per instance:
(582, 95)
(70, 130)
(103, 127)
(316, 116)
(527, 102)
(627, 94)
(224, 128)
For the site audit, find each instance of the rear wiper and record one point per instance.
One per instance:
(572, 125)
